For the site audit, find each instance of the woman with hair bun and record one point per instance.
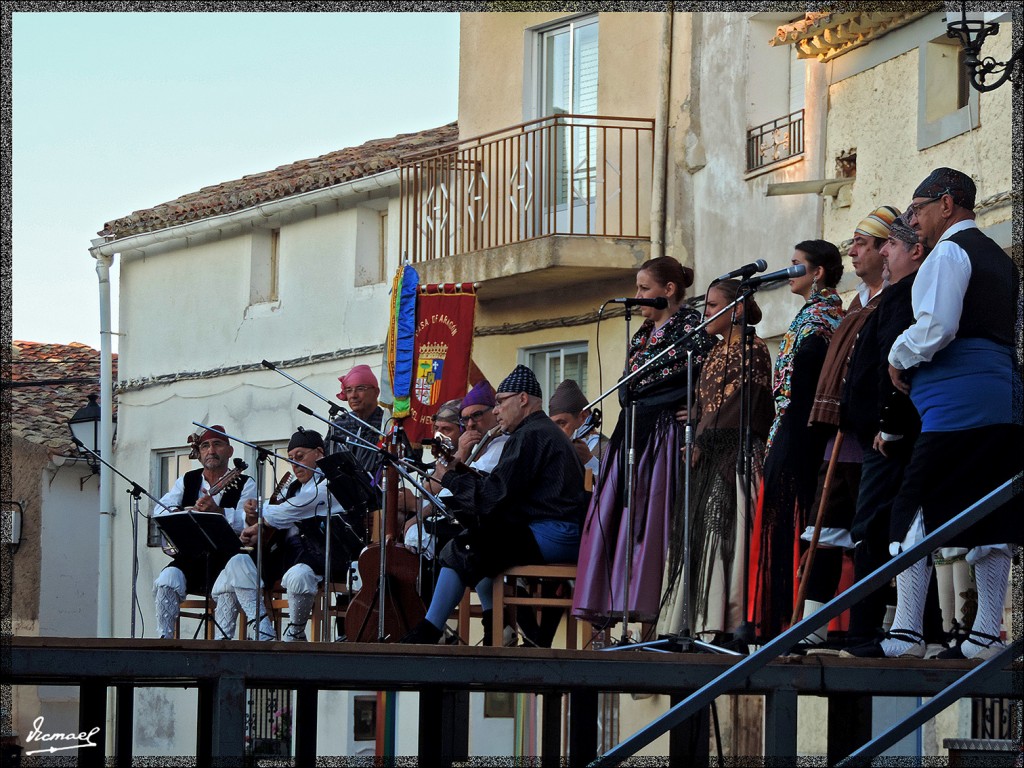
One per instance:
(717, 528)
(600, 595)
(794, 450)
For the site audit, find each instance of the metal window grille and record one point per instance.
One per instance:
(776, 140)
(268, 722)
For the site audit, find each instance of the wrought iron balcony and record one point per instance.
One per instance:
(775, 140)
(566, 175)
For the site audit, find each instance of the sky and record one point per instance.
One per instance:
(116, 112)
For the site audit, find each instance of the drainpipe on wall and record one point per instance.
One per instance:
(104, 598)
(659, 191)
(104, 251)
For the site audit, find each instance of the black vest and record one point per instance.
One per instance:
(193, 481)
(990, 304)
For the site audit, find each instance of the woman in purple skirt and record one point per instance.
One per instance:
(659, 393)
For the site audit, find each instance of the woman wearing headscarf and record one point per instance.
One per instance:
(602, 594)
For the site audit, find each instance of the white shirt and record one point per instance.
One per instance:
(310, 500)
(171, 501)
(938, 301)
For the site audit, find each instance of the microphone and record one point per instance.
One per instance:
(270, 365)
(797, 270)
(658, 303)
(743, 272)
(305, 410)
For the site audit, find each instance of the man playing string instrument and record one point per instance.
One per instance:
(289, 556)
(184, 574)
(527, 510)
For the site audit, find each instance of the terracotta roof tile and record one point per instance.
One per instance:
(825, 35)
(374, 156)
(50, 382)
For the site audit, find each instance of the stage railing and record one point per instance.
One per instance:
(736, 676)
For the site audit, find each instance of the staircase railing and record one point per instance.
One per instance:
(736, 675)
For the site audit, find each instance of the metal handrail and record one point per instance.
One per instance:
(935, 705)
(736, 675)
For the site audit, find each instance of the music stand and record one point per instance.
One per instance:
(200, 535)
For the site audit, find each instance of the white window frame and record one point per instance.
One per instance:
(163, 483)
(561, 349)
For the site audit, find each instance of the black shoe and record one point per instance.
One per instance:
(423, 633)
(951, 653)
(873, 650)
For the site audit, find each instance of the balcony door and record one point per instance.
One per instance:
(568, 86)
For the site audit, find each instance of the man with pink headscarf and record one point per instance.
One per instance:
(360, 390)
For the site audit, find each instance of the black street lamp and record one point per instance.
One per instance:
(972, 33)
(85, 429)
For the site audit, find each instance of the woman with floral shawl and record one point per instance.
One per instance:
(794, 450)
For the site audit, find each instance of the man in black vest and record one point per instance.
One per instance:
(194, 575)
(957, 363)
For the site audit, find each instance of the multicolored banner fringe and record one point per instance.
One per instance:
(397, 369)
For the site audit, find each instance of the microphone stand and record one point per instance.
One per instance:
(262, 454)
(744, 633)
(334, 407)
(629, 448)
(136, 491)
(400, 465)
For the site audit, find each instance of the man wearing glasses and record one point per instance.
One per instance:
(192, 490)
(527, 510)
(359, 388)
(479, 445)
(957, 364)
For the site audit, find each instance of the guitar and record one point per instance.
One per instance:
(444, 450)
(276, 496)
(229, 479)
(592, 424)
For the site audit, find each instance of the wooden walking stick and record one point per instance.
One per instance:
(798, 606)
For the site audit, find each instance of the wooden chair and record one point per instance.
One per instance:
(278, 607)
(195, 608)
(559, 572)
(467, 610)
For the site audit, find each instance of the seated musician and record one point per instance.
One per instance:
(446, 426)
(185, 574)
(527, 510)
(568, 409)
(360, 390)
(292, 549)
(479, 445)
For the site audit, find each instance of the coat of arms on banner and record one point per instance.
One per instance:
(429, 371)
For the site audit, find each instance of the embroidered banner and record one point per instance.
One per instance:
(444, 344)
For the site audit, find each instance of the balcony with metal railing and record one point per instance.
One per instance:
(529, 201)
(775, 141)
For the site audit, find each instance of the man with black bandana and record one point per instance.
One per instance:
(957, 363)
(293, 523)
(527, 510)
